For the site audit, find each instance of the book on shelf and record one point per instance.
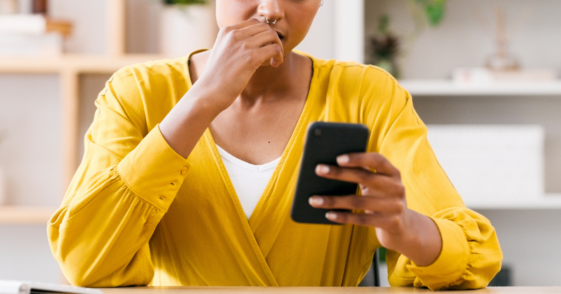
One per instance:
(32, 35)
(33, 24)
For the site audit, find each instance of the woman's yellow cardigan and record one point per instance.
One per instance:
(137, 213)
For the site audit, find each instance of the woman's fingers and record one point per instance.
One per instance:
(374, 182)
(273, 53)
(370, 160)
(257, 36)
(364, 219)
(255, 29)
(263, 39)
(243, 24)
(354, 202)
(352, 175)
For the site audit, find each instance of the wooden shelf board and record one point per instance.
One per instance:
(79, 63)
(25, 215)
(449, 88)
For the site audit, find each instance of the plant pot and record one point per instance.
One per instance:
(389, 65)
(185, 29)
(3, 188)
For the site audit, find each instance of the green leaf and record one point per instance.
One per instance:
(434, 10)
(435, 14)
(384, 24)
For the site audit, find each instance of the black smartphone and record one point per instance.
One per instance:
(325, 141)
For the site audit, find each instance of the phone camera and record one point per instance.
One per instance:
(317, 132)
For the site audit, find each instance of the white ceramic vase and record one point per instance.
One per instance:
(184, 29)
(3, 188)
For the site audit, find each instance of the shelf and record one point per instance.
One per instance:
(79, 63)
(549, 201)
(25, 215)
(449, 88)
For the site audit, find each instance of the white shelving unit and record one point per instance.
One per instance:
(531, 90)
(548, 201)
(69, 67)
(453, 90)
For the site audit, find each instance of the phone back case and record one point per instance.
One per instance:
(325, 141)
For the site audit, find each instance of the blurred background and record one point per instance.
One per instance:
(483, 75)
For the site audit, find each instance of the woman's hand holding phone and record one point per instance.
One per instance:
(238, 52)
(383, 200)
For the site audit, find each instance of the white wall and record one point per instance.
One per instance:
(30, 156)
(25, 255)
(337, 31)
(320, 40)
(462, 40)
(30, 117)
(31, 153)
(530, 240)
(89, 20)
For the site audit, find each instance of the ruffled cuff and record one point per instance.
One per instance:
(452, 263)
(154, 171)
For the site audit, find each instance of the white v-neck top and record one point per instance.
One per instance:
(249, 180)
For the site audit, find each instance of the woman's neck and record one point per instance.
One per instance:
(268, 83)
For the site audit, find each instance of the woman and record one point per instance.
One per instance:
(176, 185)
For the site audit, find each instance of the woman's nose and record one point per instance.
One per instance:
(271, 10)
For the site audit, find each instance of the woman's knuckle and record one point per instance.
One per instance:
(334, 171)
(399, 207)
(395, 222)
(365, 177)
(356, 202)
(230, 39)
(225, 30)
(400, 190)
(251, 57)
(236, 34)
(363, 219)
(391, 223)
(377, 159)
(343, 217)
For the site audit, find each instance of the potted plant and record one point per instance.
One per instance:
(187, 25)
(385, 47)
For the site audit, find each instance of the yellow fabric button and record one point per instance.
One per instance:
(184, 170)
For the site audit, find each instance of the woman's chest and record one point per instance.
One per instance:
(259, 134)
